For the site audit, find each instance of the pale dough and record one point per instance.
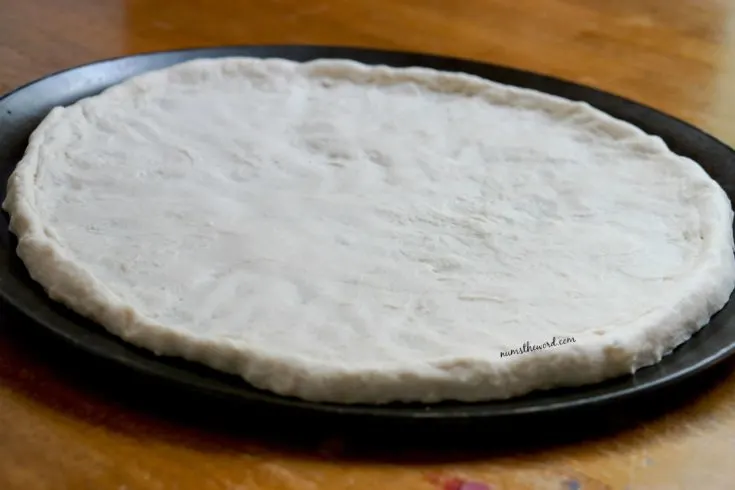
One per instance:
(346, 233)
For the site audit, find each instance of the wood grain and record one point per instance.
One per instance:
(59, 430)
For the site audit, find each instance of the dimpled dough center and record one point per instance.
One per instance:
(347, 233)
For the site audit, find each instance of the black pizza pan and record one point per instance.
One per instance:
(23, 109)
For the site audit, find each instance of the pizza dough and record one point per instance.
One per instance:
(345, 233)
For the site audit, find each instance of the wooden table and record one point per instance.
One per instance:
(59, 430)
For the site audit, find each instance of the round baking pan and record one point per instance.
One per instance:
(23, 109)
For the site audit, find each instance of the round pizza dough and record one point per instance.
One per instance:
(345, 233)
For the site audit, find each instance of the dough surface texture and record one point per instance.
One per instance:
(339, 232)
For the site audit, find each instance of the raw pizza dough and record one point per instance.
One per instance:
(346, 233)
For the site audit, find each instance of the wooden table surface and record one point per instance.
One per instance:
(59, 430)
